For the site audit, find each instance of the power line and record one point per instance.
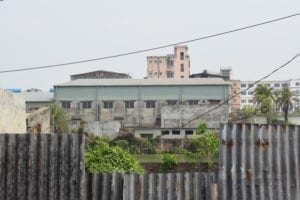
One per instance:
(226, 101)
(154, 48)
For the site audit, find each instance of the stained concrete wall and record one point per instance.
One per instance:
(12, 113)
(176, 116)
(38, 121)
(106, 128)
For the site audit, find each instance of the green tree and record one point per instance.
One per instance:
(285, 100)
(102, 158)
(59, 119)
(264, 100)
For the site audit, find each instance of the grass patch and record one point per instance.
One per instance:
(157, 158)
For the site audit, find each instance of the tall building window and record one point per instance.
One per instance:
(129, 104)
(66, 104)
(170, 74)
(182, 67)
(181, 55)
(170, 62)
(150, 104)
(107, 104)
(86, 104)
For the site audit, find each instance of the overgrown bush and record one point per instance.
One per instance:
(205, 147)
(102, 158)
(169, 161)
(135, 145)
(201, 128)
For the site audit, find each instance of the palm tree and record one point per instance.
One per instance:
(59, 119)
(285, 100)
(264, 99)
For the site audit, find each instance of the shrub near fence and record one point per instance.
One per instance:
(189, 185)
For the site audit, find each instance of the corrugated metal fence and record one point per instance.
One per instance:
(256, 162)
(192, 185)
(259, 162)
(47, 166)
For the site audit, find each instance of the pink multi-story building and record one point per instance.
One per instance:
(175, 65)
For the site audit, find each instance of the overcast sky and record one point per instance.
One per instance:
(35, 33)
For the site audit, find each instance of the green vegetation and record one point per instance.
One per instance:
(135, 145)
(169, 161)
(206, 146)
(59, 119)
(102, 158)
(157, 158)
(285, 100)
(264, 100)
(201, 128)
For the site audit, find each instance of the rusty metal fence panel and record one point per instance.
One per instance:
(259, 162)
(188, 185)
(46, 166)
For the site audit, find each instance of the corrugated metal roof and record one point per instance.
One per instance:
(39, 96)
(134, 82)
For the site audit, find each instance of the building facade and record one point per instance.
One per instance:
(235, 88)
(247, 96)
(175, 65)
(143, 103)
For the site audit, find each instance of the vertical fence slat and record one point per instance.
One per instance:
(116, 187)
(10, 172)
(22, 167)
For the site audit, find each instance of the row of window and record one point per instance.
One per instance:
(130, 104)
(176, 132)
(169, 74)
(269, 85)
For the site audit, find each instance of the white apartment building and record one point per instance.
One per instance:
(247, 96)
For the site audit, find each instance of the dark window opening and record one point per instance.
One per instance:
(175, 132)
(129, 104)
(150, 104)
(86, 104)
(182, 67)
(171, 102)
(214, 102)
(107, 104)
(66, 104)
(193, 102)
(181, 55)
(170, 74)
(165, 132)
(189, 132)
